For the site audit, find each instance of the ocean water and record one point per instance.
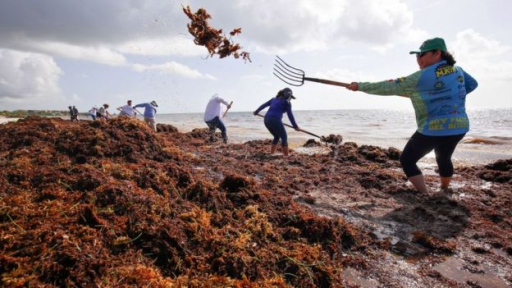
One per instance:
(489, 138)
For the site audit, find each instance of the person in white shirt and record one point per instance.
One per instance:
(213, 115)
(127, 110)
(93, 112)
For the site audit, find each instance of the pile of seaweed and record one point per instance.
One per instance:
(111, 204)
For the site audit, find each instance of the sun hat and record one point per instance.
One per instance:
(153, 103)
(431, 45)
(288, 92)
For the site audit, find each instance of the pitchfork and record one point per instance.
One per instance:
(296, 77)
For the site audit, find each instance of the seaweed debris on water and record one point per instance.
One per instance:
(114, 204)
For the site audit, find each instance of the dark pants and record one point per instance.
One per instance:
(214, 124)
(420, 145)
(276, 127)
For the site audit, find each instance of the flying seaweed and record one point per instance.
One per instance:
(213, 39)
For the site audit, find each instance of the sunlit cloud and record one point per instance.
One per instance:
(28, 75)
(172, 68)
(177, 46)
(482, 56)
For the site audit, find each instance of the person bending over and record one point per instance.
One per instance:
(274, 118)
(213, 117)
(149, 113)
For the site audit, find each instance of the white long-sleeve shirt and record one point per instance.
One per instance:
(214, 109)
(127, 110)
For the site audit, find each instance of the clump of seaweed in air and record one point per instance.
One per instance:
(213, 39)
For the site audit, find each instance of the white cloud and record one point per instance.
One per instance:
(180, 46)
(173, 68)
(482, 57)
(99, 54)
(27, 75)
(471, 44)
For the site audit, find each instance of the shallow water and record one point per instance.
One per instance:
(489, 139)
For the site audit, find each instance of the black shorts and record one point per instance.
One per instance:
(420, 145)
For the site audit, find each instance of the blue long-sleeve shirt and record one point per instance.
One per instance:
(438, 95)
(149, 110)
(278, 106)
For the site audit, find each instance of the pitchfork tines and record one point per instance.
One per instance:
(296, 77)
(293, 76)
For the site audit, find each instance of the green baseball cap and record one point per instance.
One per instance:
(431, 45)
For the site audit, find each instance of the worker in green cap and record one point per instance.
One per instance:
(438, 94)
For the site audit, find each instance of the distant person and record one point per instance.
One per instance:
(274, 118)
(71, 113)
(102, 113)
(127, 110)
(93, 112)
(75, 113)
(213, 116)
(149, 113)
(438, 94)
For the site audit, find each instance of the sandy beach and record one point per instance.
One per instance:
(115, 204)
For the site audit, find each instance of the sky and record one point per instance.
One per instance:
(57, 53)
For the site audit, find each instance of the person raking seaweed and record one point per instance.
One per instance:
(438, 94)
(102, 113)
(149, 113)
(213, 117)
(127, 110)
(274, 118)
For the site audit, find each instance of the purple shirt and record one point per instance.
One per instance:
(278, 106)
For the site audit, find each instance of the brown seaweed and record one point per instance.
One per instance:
(113, 204)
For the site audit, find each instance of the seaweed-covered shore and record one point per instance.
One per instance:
(113, 204)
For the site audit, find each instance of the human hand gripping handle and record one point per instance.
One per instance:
(226, 112)
(354, 86)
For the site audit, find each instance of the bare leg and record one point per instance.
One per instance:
(418, 182)
(273, 149)
(285, 150)
(445, 182)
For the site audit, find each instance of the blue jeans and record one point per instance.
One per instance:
(276, 127)
(214, 124)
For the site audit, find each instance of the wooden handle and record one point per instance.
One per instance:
(138, 112)
(226, 112)
(314, 135)
(329, 82)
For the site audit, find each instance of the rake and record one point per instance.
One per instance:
(296, 77)
(301, 130)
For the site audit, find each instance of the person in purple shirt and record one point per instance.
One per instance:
(274, 118)
(149, 113)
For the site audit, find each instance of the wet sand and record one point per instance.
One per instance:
(115, 204)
